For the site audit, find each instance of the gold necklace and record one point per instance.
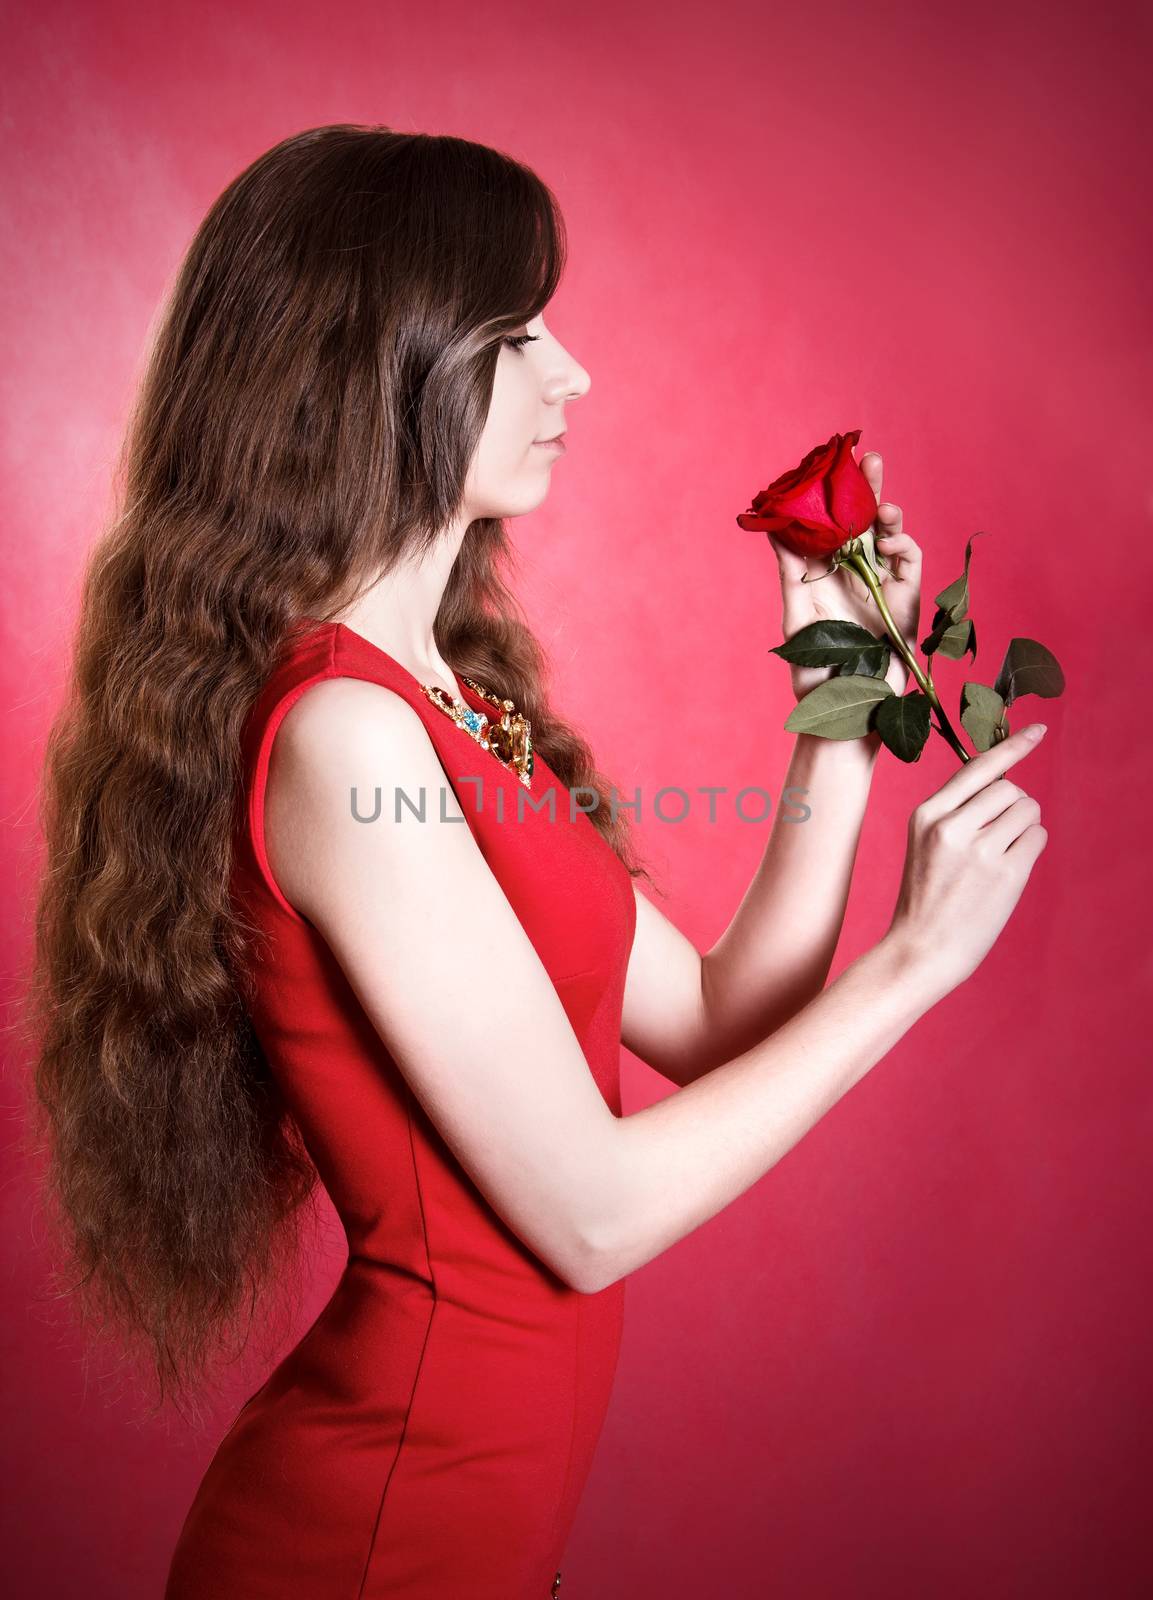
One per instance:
(509, 738)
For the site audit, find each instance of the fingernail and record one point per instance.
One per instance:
(1035, 730)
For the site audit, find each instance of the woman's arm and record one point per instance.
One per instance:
(486, 1045)
(683, 1159)
(775, 954)
(450, 980)
(684, 1013)
(971, 847)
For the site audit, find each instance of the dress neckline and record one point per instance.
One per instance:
(463, 694)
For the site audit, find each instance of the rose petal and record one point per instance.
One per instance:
(852, 503)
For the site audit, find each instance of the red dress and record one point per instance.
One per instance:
(430, 1435)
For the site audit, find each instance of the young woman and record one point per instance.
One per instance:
(310, 913)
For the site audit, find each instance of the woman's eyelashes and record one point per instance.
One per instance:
(519, 340)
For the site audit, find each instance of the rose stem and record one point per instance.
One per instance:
(944, 726)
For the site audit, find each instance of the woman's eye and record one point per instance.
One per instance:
(518, 340)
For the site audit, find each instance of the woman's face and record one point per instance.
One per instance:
(510, 470)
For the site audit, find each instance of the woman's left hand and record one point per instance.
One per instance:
(843, 594)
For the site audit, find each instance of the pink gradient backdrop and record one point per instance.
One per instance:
(914, 1359)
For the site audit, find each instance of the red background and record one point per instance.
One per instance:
(913, 1360)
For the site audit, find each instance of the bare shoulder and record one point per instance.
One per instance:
(337, 712)
(342, 741)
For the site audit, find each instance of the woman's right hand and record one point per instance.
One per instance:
(971, 848)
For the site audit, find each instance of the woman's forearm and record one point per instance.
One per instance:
(678, 1162)
(775, 954)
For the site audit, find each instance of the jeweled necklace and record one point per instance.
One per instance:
(509, 738)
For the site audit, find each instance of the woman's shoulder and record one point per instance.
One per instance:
(342, 744)
(351, 705)
(340, 725)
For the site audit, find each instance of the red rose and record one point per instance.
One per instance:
(819, 505)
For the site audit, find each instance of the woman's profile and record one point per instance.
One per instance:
(318, 906)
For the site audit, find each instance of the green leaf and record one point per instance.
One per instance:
(869, 664)
(839, 708)
(957, 639)
(1028, 668)
(983, 715)
(827, 643)
(942, 622)
(903, 723)
(955, 598)
(951, 638)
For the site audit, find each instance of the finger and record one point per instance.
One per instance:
(981, 769)
(873, 468)
(890, 518)
(1023, 814)
(902, 550)
(992, 801)
(1029, 845)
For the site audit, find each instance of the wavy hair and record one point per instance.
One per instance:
(313, 394)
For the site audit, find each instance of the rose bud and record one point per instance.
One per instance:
(818, 506)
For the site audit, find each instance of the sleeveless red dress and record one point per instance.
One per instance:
(431, 1433)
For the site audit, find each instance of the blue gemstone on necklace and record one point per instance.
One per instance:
(479, 725)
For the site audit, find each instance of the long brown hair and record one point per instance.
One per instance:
(313, 396)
